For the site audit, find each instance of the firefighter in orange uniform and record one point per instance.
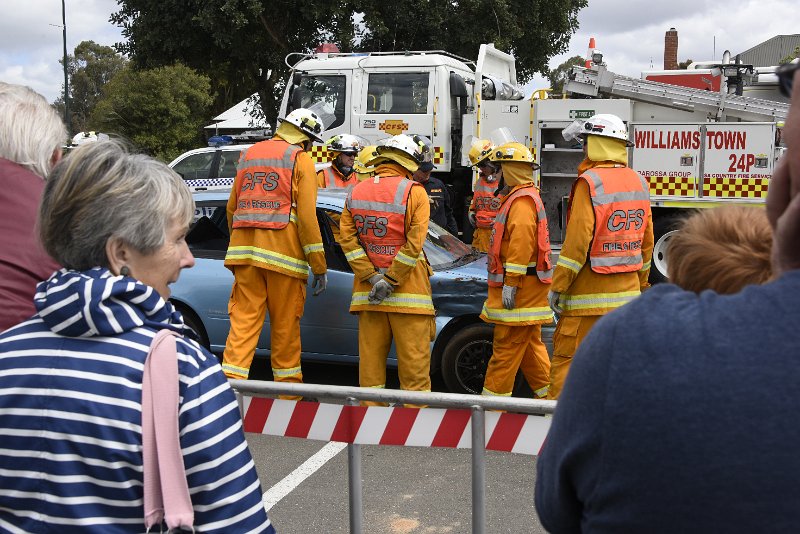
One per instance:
(519, 277)
(345, 148)
(383, 228)
(275, 241)
(605, 259)
(485, 203)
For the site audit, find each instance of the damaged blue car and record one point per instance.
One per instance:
(463, 343)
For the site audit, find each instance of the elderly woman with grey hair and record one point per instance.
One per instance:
(31, 137)
(71, 376)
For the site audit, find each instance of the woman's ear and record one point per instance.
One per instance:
(117, 254)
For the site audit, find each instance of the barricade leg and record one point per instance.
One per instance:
(478, 471)
(354, 481)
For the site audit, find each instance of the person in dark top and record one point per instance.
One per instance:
(31, 137)
(679, 413)
(439, 197)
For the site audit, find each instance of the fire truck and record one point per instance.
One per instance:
(697, 148)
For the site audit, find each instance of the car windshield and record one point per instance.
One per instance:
(444, 250)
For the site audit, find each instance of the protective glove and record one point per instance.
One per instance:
(380, 291)
(375, 278)
(472, 219)
(320, 283)
(509, 297)
(552, 300)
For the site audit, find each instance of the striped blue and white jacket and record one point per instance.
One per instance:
(70, 415)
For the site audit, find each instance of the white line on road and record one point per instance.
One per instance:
(283, 488)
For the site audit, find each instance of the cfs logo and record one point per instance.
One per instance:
(378, 225)
(268, 181)
(621, 219)
(487, 204)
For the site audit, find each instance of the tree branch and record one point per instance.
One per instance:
(273, 35)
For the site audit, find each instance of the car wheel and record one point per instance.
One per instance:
(192, 321)
(466, 357)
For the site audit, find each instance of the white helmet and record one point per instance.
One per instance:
(307, 122)
(604, 125)
(346, 144)
(406, 144)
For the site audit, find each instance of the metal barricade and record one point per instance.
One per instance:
(352, 395)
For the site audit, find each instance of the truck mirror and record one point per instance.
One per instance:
(457, 85)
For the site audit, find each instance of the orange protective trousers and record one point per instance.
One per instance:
(517, 348)
(256, 291)
(570, 332)
(480, 239)
(412, 334)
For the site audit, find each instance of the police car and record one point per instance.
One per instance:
(214, 167)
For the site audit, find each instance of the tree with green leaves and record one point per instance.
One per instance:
(558, 75)
(161, 110)
(791, 56)
(90, 68)
(241, 44)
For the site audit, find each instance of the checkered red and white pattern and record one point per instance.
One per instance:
(414, 427)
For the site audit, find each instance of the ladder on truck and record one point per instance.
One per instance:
(599, 81)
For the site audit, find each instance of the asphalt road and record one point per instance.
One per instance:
(406, 490)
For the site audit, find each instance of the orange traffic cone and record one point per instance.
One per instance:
(589, 53)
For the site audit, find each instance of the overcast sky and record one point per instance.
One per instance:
(629, 33)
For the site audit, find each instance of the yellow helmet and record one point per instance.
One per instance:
(363, 162)
(479, 151)
(513, 151)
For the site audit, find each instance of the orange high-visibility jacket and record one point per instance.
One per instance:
(585, 292)
(484, 203)
(518, 253)
(409, 271)
(330, 177)
(379, 212)
(541, 266)
(290, 250)
(621, 202)
(264, 185)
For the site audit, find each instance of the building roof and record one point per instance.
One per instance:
(238, 117)
(771, 51)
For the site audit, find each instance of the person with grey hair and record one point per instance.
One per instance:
(72, 374)
(31, 136)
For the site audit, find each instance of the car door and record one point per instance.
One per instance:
(199, 169)
(328, 330)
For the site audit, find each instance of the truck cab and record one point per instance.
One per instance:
(442, 96)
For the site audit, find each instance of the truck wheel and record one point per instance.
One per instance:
(466, 357)
(664, 229)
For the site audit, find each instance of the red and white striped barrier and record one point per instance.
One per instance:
(428, 427)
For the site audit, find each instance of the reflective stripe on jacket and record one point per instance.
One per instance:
(485, 204)
(331, 178)
(621, 202)
(379, 212)
(542, 266)
(264, 185)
